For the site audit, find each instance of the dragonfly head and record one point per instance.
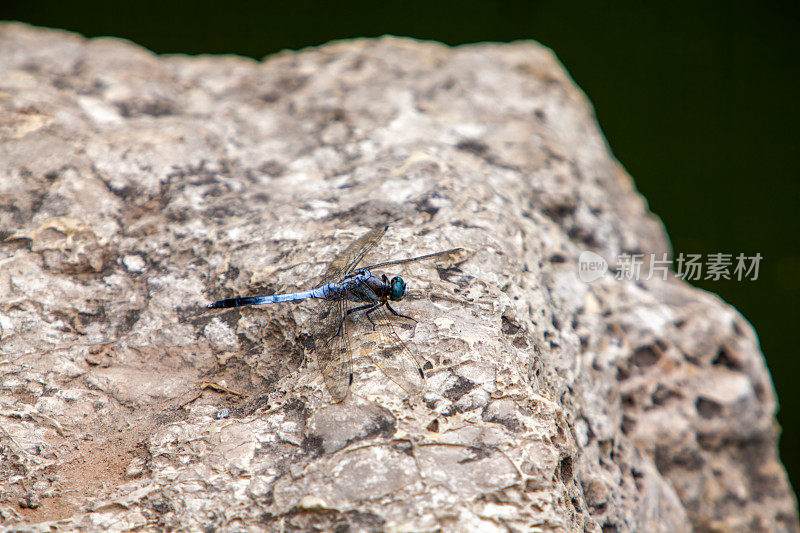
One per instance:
(398, 289)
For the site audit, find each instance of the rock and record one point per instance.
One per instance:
(135, 468)
(29, 501)
(135, 189)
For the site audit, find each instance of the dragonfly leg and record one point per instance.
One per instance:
(353, 310)
(372, 308)
(395, 313)
(360, 308)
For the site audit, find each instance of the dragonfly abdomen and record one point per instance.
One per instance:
(259, 300)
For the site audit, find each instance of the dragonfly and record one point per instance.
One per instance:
(355, 298)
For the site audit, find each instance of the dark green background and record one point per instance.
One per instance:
(698, 101)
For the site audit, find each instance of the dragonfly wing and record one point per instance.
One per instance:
(346, 261)
(334, 354)
(413, 259)
(393, 357)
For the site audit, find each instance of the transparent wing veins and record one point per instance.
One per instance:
(334, 351)
(393, 357)
(346, 261)
(412, 259)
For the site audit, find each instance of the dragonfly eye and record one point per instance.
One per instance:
(398, 289)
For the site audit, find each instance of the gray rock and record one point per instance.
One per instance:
(135, 189)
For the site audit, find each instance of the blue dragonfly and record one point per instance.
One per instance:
(356, 298)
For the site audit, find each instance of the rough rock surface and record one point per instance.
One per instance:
(135, 189)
